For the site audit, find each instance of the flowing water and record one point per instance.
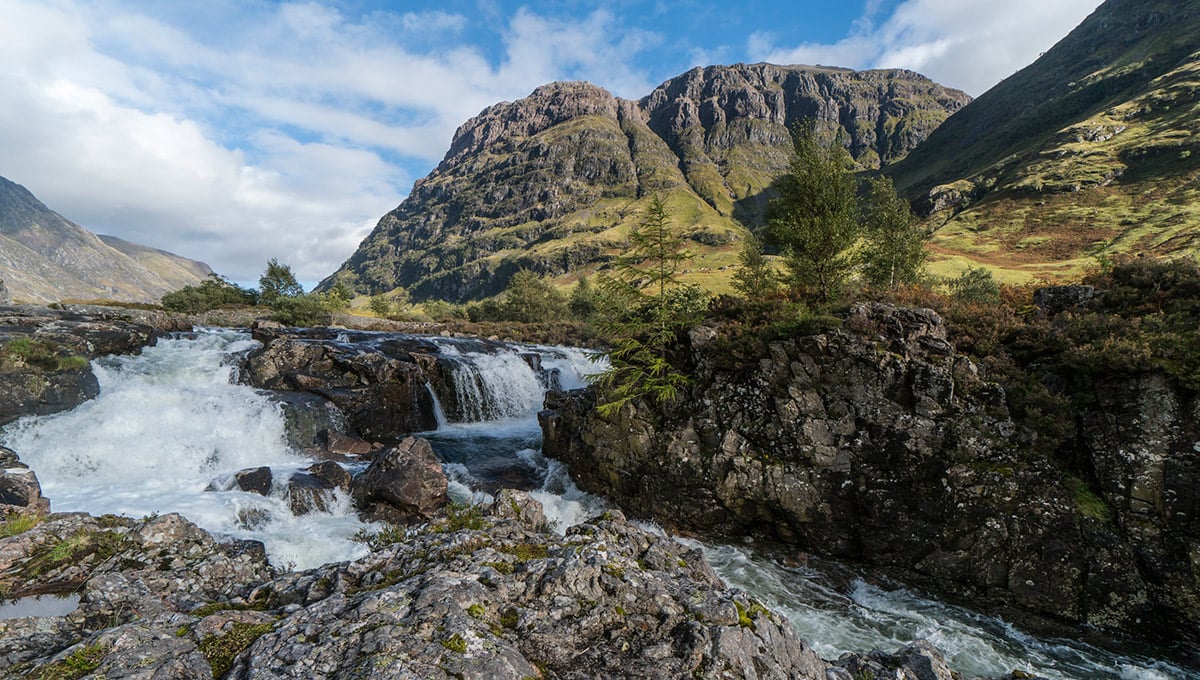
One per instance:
(169, 426)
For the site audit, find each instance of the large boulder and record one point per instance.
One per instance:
(403, 484)
(383, 397)
(877, 443)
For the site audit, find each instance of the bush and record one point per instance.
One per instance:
(302, 310)
(214, 292)
(975, 285)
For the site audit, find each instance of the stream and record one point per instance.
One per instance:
(171, 424)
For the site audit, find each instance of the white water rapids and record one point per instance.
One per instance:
(170, 422)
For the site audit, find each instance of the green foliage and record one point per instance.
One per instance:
(213, 293)
(77, 664)
(40, 354)
(582, 302)
(528, 299)
(644, 327)
(442, 311)
(755, 279)
(338, 297)
(526, 551)
(1087, 502)
(893, 253)
(308, 310)
(18, 524)
(221, 650)
(815, 216)
(380, 305)
(278, 282)
(976, 284)
(455, 643)
(459, 517)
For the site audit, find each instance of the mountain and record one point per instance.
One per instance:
(1093, 149)
(553, 182)
(45, 257)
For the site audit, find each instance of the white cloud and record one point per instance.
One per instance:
(234, 135)
(968, 44)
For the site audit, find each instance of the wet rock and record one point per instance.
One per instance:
(312, 490)
(20, 490)
(52, 374)
(256, 480)
(403, 483)
(918, 661)
(384, 398)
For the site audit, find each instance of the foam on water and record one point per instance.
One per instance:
(865, 617)
(166, 425)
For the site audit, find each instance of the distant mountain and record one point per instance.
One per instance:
(1093, 148)
(45, 257)
(553, 182)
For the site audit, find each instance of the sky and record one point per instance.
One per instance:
(235, 131)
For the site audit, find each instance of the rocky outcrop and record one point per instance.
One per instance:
(383, 395)
(877, 443)
(486, 594)
(544, 183)
(20, 491)
(402, 484)
(44, 353)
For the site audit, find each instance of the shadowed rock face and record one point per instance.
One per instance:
(499, 598)
(876, 443)
(541, 182)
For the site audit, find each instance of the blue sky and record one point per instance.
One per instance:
(234, 131)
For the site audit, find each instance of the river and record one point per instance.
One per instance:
(171, 425)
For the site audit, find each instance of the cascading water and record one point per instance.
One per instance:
(844, 613)
(168, 424)
(494, 441)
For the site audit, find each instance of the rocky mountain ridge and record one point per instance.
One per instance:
(45, 257)
(552, 182)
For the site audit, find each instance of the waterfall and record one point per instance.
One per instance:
(168, 424)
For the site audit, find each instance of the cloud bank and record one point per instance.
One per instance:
(968, 44)
(235, 132)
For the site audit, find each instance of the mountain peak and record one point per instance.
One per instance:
(553, 181)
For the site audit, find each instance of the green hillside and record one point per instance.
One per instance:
(1092, 151)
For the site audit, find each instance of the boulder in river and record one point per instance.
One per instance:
(403, 483)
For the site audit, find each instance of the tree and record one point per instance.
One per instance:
(894, 250)
(380, 305)
(815, 216)
(277, 282)
(754, 278)
(644, 327)
(582, 302)
(215, 291)
(528, 299)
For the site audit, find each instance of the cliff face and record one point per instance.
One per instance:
(46, 258)
(552, 182)
(878, 443)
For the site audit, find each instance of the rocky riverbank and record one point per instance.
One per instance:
(44, 352)
(474, 593)
(879, 444)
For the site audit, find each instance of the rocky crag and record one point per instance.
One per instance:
(45, 257)
(878, 443)
(553, 182)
